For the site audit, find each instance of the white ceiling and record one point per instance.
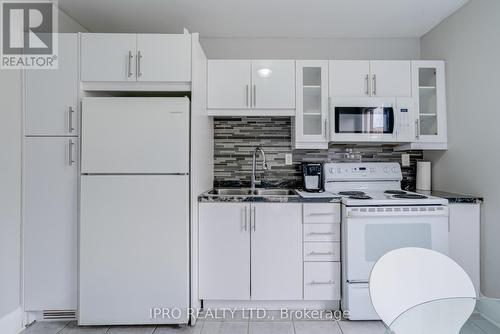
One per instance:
(265, 18)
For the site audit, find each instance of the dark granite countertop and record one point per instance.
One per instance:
(451, 197)
(206, 197)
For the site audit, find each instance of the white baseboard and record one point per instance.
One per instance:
(12, 323)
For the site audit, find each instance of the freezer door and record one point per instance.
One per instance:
(137, 135)
(133, 249)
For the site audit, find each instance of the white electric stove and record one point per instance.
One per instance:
(377, 217)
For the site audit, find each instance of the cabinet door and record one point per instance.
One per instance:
(390, 78)
(108, 57)
(50, 224)
(224, 251)
(52, 95)
(430, 101)
(229, 84)
(349, 78)
(276, 251)
(162, 57)
(311, 120)
(273, 84)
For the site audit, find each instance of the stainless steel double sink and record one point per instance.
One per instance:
(250, 192)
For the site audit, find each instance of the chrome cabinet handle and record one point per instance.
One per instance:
(320, 233)
(246, 220)
(254, 219)
(326, 125)
(70, 119)
(70, 152)
(139, 57)
(417, 129)
(321, 253)
(130, 63)
(367, 80)
(254, 95)
(374, 84)
(321, 214)
(246, 95)
(330, 282)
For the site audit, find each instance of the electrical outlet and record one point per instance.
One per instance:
(288, 158)
(405, 160)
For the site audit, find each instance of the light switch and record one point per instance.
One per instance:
(288, 158)
(405, 160)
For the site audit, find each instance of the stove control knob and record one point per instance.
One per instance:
(394, 170)
(386, 169)
(331, 170)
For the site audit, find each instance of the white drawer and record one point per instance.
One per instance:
(321, 251)
(322, 280)
(322, 213)
(322, 232)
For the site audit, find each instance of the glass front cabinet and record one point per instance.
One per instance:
(429, 94)
(311, 118)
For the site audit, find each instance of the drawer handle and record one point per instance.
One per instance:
(321, 253)
(320, 233)
(321, 214)
(330, 282)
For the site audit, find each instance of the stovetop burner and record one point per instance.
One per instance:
(395, 192)
(410, 196)
(352, 193)
(360, 196)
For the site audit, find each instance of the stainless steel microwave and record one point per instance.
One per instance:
(368, 119)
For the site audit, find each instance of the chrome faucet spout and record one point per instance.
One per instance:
(254, 160)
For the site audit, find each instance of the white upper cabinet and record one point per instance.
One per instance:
(229, 84)
(52, 95)
(163, 57)
(378, 78)
(273, 84)
(311, 118)
(251, 87)
(135, 57)
(349, 78)
(390, 78)
(108, 57)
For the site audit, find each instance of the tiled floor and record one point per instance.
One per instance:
(235, 326)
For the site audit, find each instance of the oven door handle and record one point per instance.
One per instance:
(360, 281)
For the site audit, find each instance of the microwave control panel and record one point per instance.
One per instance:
(405, 119)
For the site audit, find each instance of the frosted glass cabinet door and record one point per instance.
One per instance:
(52, 95)
(50, 223)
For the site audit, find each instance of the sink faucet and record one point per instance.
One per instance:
(264, 163)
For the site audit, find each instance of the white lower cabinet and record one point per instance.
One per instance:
(224, 251)
(264, 252)
(276, 255)
(322, 280)
(50, 223)
(321, 251)
(250, 251)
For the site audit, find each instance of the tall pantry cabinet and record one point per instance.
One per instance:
(50, 182)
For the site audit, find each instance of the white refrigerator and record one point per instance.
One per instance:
(134, 211)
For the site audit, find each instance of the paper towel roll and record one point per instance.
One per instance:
(423, 175)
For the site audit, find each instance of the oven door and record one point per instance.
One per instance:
(363, 120)
(370, 232)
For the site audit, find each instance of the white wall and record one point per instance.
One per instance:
(319, 48)
(469, 42)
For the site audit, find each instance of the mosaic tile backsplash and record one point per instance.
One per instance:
(236, 137)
